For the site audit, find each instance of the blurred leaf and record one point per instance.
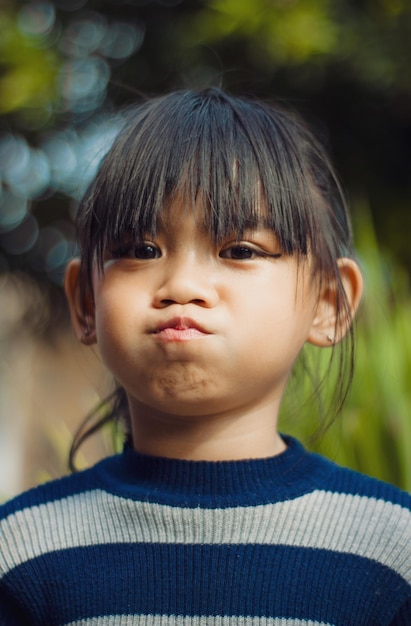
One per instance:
(287, 31)
(28, 71)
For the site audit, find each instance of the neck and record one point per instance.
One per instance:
(246, 435)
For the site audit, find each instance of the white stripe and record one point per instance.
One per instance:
(354, 524)
(203, 620)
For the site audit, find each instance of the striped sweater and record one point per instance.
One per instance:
(288, 540)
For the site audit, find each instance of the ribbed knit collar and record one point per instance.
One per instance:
(219, 483)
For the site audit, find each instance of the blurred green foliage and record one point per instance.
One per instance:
(29, 70)
(371, 37)
(373, 432)
(282, 32)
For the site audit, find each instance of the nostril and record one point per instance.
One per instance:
(183, 287)
(169, 301)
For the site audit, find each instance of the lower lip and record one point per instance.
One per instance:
(180, 334)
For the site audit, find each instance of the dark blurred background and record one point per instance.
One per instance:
(68, 66)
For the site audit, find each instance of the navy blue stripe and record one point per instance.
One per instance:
(175, 579)
(254, 482)
(212, 485)
(52, 491)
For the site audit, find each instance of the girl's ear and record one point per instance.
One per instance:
(329, 325)
(81, 308)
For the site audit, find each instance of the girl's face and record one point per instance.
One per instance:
(191, 328)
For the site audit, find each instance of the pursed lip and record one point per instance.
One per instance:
(181, 324)
(179, 330)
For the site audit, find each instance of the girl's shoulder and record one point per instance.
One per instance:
(33, 522)
(66, 487)
(38, 510)
(372, 513)
(309, 472)
(354, 484)
(50, 491)
(346, 512)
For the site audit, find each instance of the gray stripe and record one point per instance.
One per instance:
(204, 620)
(354, 524)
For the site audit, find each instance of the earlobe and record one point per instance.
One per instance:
(330, 325)
(81, 307)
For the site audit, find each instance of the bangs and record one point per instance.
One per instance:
(236, 156)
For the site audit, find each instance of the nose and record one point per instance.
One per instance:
(186, 281)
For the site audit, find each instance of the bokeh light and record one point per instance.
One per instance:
(13, 210)
(60, 143)
(22, 238)
(65, 163)
(37, 19)
(83, 83)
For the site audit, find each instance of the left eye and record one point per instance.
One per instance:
(239, 253)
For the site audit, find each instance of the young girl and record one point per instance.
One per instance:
(214, 244)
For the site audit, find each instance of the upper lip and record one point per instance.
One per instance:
(180, 323)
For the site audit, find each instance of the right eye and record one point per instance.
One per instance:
(143, 251)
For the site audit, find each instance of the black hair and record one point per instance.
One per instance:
(231, 152)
